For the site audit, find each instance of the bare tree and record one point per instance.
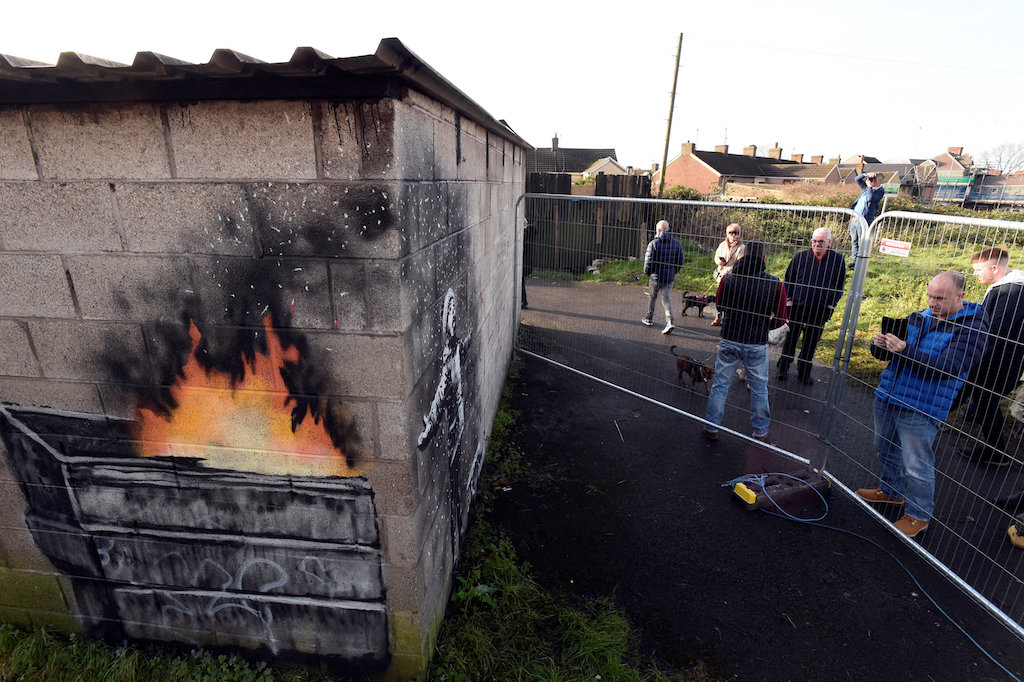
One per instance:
(1007, 157)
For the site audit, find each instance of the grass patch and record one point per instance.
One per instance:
(42, 655)
(502, 625)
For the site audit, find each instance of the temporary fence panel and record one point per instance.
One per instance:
(585, 294)
(978, 489)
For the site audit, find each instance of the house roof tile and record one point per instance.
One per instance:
(564, 159)
(739, 164)
(795, 170)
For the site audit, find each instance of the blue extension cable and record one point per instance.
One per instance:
(759, 480)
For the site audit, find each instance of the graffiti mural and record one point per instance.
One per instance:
(447, 415)
(233, 510)
(158, 550)
(246, 423)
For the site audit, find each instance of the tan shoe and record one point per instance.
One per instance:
(910, 526)
(1016, 531)
(877, 496)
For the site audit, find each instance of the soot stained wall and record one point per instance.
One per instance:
(308, 307)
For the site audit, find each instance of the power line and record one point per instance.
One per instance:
(858, 57)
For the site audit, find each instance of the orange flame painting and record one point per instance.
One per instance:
(241, 425)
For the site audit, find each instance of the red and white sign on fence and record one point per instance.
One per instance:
(894, 247)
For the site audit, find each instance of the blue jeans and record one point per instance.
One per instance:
(903, 438)
(754, 358)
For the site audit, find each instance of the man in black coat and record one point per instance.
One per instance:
(815, 280)
(1000, 369)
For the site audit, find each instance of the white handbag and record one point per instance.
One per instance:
(778, 335)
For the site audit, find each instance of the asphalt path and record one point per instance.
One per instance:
(626, 500)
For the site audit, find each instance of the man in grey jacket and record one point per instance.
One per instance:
(662, 261)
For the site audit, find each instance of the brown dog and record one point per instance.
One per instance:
(698, 372)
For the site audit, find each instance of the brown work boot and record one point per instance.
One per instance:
(910, 526)
(877, 496)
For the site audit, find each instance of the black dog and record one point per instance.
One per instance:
(692, 299)
(687, 365)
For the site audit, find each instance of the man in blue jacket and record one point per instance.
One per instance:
(944, 341)
(815, 280)
(866, 205)
(662, 261)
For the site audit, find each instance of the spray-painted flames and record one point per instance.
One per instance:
(244, 425)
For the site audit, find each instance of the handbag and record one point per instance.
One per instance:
(778, 335)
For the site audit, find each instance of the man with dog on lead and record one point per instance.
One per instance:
(926, 370)
(815, 280)
(662, 261)
(750, 297)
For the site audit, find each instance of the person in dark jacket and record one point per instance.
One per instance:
(815, 280)
(999, 371)
(749, 298)
(866, 205)
(916, 390)
(529, 235)
(662, 261)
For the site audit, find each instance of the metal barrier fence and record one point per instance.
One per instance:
(586, 293)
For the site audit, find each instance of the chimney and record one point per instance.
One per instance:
(554, 143)
(835, 160)
(817, 159)
(775, 152)
(722, 148)
(750, 151)
(860, 164)
(959, 151)
(799, 158)
(687, 148)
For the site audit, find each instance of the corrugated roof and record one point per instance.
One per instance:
(564, 159)
(78, 78)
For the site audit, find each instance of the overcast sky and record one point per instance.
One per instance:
(892, 80)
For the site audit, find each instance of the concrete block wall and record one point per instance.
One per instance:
(352, 223)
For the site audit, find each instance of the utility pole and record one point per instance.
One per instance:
(671, 108)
